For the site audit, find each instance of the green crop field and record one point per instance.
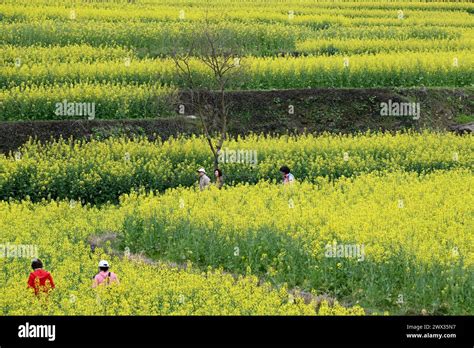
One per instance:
(61, 50)
(406, 198)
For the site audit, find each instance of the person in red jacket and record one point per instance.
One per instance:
(40, 280)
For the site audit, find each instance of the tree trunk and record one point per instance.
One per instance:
(216, 160)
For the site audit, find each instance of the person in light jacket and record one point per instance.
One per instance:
(204, 180)
(104, 276)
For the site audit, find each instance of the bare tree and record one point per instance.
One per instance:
(217, 52)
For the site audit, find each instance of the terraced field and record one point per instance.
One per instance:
(404, 202)
(58, 50)
(375, 224)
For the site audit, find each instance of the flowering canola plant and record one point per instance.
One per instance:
(52, 49)
(241, 249)
(407, 235)
(60, 230)
(100, 171)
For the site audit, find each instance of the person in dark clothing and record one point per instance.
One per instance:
(219, 178)
(287, 176)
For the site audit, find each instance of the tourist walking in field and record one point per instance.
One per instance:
(219, 178)
(204, 180)
(104, 276)
(40, 280)
(288, 178)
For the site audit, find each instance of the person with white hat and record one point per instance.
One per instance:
(204, 180)
(104, 276)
